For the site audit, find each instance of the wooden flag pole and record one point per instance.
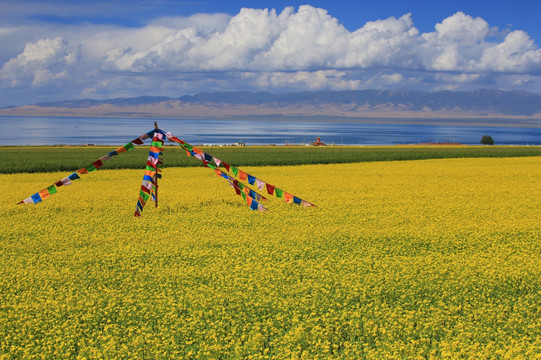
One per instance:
(156, 176)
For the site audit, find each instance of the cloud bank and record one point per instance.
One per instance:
(262, 49)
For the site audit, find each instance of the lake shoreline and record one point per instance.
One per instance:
(262, 131)
(503, 121)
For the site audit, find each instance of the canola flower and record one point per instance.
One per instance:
(417, 259)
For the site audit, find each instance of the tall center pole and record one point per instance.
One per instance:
(156, 175)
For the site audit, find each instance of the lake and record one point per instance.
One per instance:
(116, 131)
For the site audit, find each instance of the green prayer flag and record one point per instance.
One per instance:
(156, 144)
(51, 189)
(279, 193)
(91, 168)
(243, 195)
(235, 171)
(128, 146)
(144, 195)
(150, 168)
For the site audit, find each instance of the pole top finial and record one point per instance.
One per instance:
(155, 125)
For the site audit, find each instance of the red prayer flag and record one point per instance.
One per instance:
(226, 166)
(142, 201)
(138, 141)
(151, 164)
(270, 189)
(97, 164)
(236, 186)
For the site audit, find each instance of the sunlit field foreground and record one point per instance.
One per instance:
(429, 258)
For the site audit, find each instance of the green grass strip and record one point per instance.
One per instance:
(31, 159)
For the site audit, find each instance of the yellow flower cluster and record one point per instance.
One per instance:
(417, 259)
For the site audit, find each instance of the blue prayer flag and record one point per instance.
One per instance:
(296, 200)
(36, 198)
(251, 179)
(74, 176)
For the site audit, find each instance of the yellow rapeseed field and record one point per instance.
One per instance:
(416, 259)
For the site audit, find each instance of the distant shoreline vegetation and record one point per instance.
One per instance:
(32, 159)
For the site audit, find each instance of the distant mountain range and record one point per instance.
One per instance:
(354, 104)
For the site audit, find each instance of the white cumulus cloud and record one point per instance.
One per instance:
(312, 40)
(40, 63)
(292, 49)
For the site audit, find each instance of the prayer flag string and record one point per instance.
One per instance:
(235, 174)
(245, 185)
(149, 187)
(96, 165)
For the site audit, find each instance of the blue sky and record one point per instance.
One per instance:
(57, 50)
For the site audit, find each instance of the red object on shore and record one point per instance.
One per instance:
(318, 142)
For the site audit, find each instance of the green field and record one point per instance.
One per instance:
(32, 159)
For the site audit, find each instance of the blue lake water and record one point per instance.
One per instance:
(116, 131)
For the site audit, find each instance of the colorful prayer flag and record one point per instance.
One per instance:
(97, 164)
(36, 198)
(44, 194)
(149, 185)
(288, 197)
(251, 179)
